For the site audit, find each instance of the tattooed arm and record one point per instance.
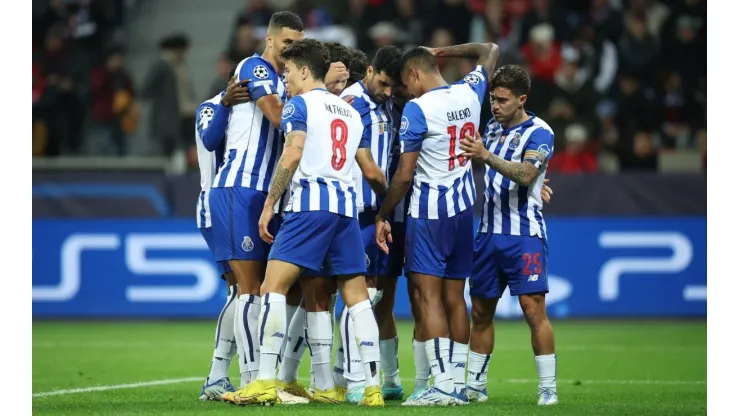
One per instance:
(523, 173)
(292, 153)
(371, 171)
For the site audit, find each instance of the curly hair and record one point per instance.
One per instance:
(513, 78)
(388, 59)
(310, 53)
(339, 53)
(357, 66)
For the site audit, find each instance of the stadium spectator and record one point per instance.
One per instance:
(638, 49)
(643, 155)
(223, 66)
(169, 88)
(244, 43)
(542, 53)
(313, 17)
(114, 113)
(575, 158)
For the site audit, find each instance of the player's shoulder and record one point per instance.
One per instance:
(259, 68)
(208, 107)
(539, 123)
(355, 89)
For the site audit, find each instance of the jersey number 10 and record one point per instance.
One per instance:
(339, 133)
(467, 129)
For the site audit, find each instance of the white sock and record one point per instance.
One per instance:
(421, 364)
(318, 331)
(251, 331)
(225, 339)
(438, 353)
(478, 370)
(368, 340)
(339, 380)
(293, 347)
(458, 363)
(241, 340)
(354, 371)
(389, 361)
(546, 368)
(372, 293)
(333, 310)
(271, 334)
(290, 311)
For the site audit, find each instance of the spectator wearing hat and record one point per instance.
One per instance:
(575, 158)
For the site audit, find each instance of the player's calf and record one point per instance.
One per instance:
(543, 345)
(481, 347)
(457, 316)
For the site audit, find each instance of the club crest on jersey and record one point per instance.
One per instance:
(471, 79)
(261, 72)
(247, 244)
(404, 125)
(381, 128)
(288, 110)
(515, 141)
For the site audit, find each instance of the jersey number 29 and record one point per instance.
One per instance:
(466, 129)
(339, 133)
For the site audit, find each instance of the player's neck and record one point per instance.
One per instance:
(276, 63)
(435, 81)
(312, 85)
(520, 116)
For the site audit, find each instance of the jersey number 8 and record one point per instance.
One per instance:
(339, 133)
(467, 129)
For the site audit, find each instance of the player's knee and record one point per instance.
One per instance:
(481, 315)
(533, 307)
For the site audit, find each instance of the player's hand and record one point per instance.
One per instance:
(236, 92)
(349, 99)
(546, 192)
(474, 148)
(337, 74)
(265, 220)
(383, 234)
(433, 51)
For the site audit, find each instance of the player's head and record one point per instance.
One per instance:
(383, 72)
(338, 53)
(418, 67)
(357, 66)
(306, 64)
(284, 28)
(509, 88)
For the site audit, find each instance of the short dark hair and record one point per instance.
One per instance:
(310, 53)
(283, 19)
(357, 66)
(176, 41)
(388, 59)
(339, 53)
(512, 77)
(420, 58)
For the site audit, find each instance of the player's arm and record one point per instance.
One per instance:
(211, 121)
(536, 154)
(486, 54)
(294, 125)
(371, 171)
(364, 156)
(412, 130)
(263, 88)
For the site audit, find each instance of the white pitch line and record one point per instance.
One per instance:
(506, 380)
(117, 386)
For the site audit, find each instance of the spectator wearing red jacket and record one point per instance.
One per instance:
(542, 52)
(575, 159)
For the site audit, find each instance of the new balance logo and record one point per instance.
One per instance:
(367, 344)
(533, 278)
(278, 335)
(460, 365)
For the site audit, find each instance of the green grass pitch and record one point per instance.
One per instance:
(157, 368)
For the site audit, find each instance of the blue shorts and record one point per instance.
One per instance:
(223, 266)
(393, 263)
(312, 239)
(374, 257)
(235, 214)
(441, 247)
(499, 260)
(306, 272)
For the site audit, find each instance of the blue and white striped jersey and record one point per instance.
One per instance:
(509, 208)
(401, 210)
(323, 180)
(377, 129)
(432, 125)
(253, 145)
(209, 133)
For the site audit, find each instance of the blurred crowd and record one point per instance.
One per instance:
(621, 82)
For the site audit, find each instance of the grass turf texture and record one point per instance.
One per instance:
(604, 367)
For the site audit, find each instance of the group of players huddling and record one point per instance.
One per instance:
(318, 121)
